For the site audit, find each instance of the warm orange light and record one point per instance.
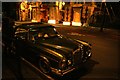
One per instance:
(30, 7)
(60, 5)
(52, 21)
(76, 23)
(34, 20)
(57, 3)
(23, 5)
(63, 3)
(66, 23)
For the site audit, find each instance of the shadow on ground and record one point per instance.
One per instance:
(14, 64)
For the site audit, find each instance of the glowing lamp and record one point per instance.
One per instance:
(52, 21)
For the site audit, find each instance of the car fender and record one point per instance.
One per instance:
(84, 43)
(44, 58)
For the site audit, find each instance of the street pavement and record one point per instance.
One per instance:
(17, 68)
(105, 49)
(103, 65)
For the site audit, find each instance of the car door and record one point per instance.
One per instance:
(31, 48)
(20, 41)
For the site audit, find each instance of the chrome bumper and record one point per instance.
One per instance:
(62, 72)
(70, 68)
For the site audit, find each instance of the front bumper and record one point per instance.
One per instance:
(62, 72)
(70, 68)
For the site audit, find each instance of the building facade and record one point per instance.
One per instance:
(68, 13)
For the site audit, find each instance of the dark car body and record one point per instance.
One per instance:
(41, 45)
(7, 32)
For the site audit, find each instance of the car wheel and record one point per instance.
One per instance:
(44, 66)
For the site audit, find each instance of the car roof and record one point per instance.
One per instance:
(34, 25)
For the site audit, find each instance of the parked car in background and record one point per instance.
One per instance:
(43, 46)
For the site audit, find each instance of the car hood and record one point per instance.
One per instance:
(61, 45)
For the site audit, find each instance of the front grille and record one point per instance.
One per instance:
(81, 54)
(86, 55)
(77, 57)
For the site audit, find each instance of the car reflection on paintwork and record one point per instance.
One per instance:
(51, 52)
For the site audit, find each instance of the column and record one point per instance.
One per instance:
(76, 17)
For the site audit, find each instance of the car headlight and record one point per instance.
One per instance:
(62, 63)
(69, 62)
(88, 53)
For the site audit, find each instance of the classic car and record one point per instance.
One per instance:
(43, 46)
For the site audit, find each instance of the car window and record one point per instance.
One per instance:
(21, 33)
(46, 36)
(42, 32)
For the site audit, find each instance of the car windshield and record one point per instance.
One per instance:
(43, 32)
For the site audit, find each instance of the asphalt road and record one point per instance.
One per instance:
(105, 49)
(103, 65)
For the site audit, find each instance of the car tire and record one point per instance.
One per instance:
(44, 66)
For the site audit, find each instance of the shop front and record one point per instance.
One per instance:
(33, 11)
